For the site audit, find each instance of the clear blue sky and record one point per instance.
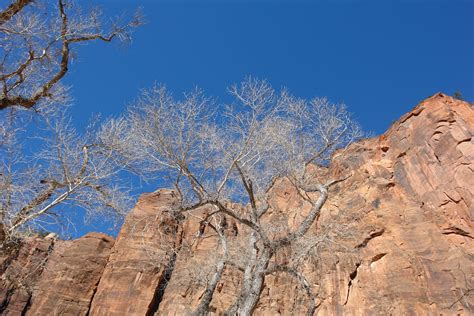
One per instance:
(379, 57)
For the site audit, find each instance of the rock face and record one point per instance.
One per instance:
(397, 238)
(71, 275)
(139, 266)
(21, 266)
(413, 188)
(48, 277)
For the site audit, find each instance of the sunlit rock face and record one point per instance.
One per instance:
(21, 265)
(397, 238)
(54, 277)
(412, 194)
(139, 266)
(71, 275)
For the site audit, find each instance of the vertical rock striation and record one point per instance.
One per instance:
(70, 277)
(141, 261)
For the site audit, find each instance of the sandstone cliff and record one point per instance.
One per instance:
(398, 239)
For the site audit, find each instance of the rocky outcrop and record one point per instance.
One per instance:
(21, 264)
(413, 191)
(396, 238)
(53, 277)
(142, 259)
(70, 278)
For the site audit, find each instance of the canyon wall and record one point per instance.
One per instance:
(397, 238)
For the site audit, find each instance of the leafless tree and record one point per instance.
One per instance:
(47, 166)
(221, 157)
(58, 170)
(36, 47)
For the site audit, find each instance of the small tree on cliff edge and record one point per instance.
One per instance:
(220, 158)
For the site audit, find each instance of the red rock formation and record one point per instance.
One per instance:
(413, 188)
(21, 264)
(398, 238)
(404, 218)
(48, 277)
(71, 275)
(139, 266)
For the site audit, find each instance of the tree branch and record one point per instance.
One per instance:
(65, 37)
(203, 306)
(12, 10)
(32, 216)
(313, 214)
(309, 220)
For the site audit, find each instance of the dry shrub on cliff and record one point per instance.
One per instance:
(221, 157)
(46, 164)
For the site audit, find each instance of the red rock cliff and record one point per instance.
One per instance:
(401, 229)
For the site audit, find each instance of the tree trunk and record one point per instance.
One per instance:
(203, 307)
(252, 296)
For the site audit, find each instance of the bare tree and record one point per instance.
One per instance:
(36, 45)
(57, 171)
(47, 166)
(221, 157)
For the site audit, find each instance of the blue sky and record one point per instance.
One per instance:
(379, 57)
